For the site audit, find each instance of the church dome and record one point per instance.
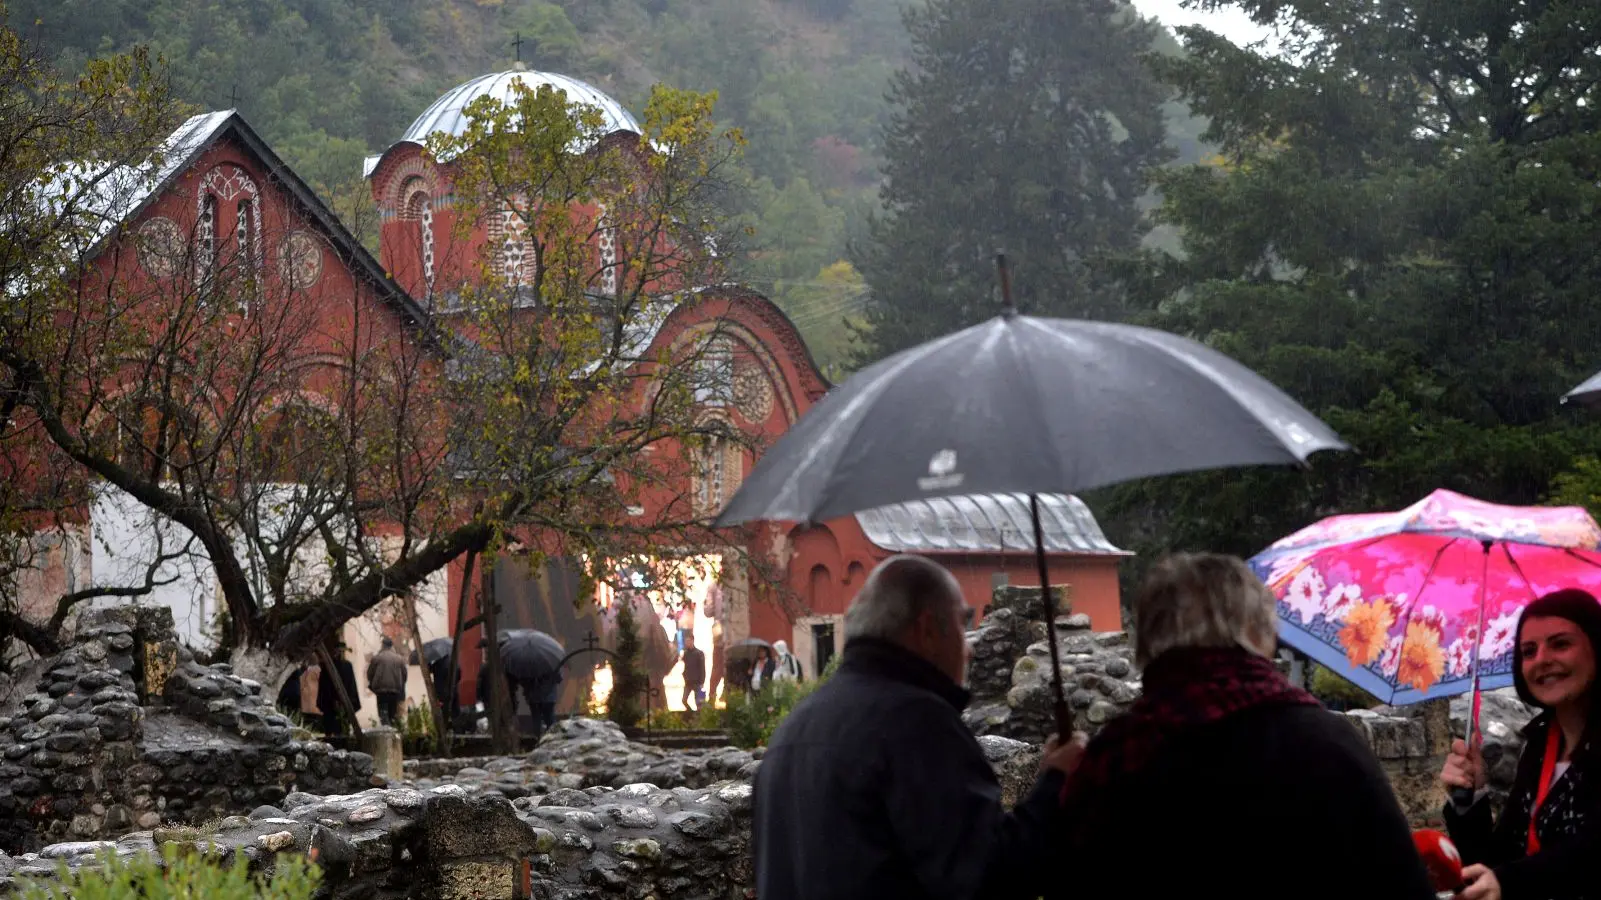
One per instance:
(446, 113)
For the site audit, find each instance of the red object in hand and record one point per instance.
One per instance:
(1441, 858)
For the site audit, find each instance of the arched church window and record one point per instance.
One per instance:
(227, 187)
(714, 374)
(248, 235)
(711, 476)
(515, 254)
(206, 239)
(418, 206)
(719, 470)
(606, 242)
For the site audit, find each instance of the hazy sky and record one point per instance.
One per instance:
(1232, 23)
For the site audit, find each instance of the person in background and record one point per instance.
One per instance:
(762, 670)
(542, 702)
(310, 684)
(694, 674)
(1557, 787)
(336, 718)
(386, 678)
(873, 788)
(786, 667)
(289, 695)
(1221, 762)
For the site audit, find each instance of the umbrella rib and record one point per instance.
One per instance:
(1589, 562)
(1506, 549)
(1418, 600)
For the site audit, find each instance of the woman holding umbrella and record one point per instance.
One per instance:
(1546, 845)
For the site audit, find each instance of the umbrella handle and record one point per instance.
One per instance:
(1462, 797)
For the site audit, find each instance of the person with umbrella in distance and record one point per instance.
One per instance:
(1546, 844)
(873, 787)
(532, 660)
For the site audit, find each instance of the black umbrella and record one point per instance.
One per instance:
(529, 655)
(433, 651)
(746, 649)
(1030, 405)
(1588, 393)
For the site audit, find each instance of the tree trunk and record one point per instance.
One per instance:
(436, 713)
(456, 629)
(502, 717)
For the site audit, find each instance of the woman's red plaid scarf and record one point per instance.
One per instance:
(1182, 689)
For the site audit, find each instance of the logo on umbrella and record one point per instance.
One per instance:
(942, 472)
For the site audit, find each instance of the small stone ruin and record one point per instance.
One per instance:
(124, 730)
(1010, 675)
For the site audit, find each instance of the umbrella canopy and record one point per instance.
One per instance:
(1409, 605)
(529, 655)
(1588, 393)
(1027, 405)
(433, 651)
(746, 649)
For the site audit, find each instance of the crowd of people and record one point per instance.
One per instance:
(1223, 777)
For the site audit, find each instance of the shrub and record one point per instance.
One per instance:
(417, 731)
(1338, 693)
(179, 876)
(752, 718)
(628, 675)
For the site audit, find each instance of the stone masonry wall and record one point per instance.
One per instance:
(123, 729)
(1097, 669)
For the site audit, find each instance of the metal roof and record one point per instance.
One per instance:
(446, 114)
(985, 523)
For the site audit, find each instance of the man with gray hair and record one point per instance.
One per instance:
(872, 787)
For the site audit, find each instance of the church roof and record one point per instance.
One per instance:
(112, 196)
(986, 523)
(446, 114)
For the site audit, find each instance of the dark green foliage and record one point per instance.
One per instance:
(1027, 127)
(1401, 234)
(625, 706)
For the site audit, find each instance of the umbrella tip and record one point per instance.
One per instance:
(1008, 305)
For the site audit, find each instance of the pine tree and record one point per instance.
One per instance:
(1025, 126)
(628, 674)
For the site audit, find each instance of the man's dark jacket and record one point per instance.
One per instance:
(873, 788)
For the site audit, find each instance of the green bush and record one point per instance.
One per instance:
(178, 876)
(1337, 692)
(628, 684)
(752, 718)
(417, 731)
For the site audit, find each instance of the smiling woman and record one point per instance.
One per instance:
(1544, 843)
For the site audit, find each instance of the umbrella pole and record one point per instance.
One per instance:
(1064, 719)
(1463, 797)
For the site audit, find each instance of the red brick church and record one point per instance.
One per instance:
(231, 183)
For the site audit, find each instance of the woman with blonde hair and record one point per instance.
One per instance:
(1223, 777)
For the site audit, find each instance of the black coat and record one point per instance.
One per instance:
(873, 788)
(1568, 866)
(1274, 802)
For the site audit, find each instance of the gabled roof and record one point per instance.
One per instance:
(986, 523)
(123, 193)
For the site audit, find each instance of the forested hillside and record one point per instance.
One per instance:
(328, 81)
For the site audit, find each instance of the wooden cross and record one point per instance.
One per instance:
(233, 97)
(517, 45)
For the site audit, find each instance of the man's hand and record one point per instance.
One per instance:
(1062, 757)
(1481, 884)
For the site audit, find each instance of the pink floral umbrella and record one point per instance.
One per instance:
(1424, 602)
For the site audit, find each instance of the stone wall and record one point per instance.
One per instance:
(1097, 669)
(123, 729)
